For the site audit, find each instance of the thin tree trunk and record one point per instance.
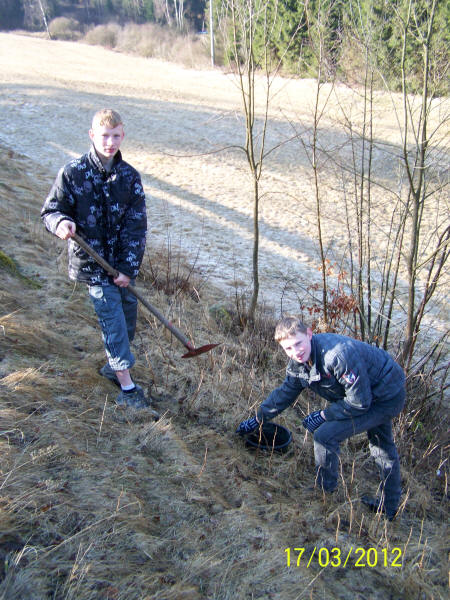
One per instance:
(44, 18)
(255, 258)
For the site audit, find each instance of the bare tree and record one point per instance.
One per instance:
(253, 27)
(417, 161)
(172, 12)
(320, 49)
(369, 263)
(179, 13)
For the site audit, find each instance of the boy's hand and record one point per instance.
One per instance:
(122, 280)
(248, 426)
(65, 229)
(313, 421)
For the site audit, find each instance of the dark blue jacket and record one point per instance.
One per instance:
(109, 212)
(348, 373)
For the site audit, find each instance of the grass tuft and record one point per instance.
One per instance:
(9, 265)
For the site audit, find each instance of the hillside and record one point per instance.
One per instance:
(98, 502)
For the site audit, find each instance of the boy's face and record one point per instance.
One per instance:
(106, 140)
(298, 346)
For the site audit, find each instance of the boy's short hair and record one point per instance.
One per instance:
(107, 117)
(288, 327)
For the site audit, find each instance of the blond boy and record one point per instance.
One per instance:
(100, 197)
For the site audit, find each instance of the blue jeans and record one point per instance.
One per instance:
(116, 310)
(377, 421)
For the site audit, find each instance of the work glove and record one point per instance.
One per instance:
(248, 426)
(313, 421)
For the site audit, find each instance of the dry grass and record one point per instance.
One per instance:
(152, 41)
(97, 502)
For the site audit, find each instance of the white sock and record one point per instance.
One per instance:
(128, 388)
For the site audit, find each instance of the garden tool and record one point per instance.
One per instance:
(192, 351)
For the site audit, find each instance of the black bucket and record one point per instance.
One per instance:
(271, 437)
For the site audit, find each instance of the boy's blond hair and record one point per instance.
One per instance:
(288, 327)
(107, 117)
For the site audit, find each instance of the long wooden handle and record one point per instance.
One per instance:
(101, 261)
(114, 273)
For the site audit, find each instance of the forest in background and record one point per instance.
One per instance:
(28, 14)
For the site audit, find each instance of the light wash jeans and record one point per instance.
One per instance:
(116, 310)
(377, 421)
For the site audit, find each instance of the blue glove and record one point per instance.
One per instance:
(313, 421)
(248, 426)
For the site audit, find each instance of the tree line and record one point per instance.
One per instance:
(30, 14)
(295, 25)
(342, 23)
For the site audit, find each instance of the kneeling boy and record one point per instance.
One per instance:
(365, 388)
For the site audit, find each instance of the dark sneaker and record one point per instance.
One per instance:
(136, 399)
(376, 505)
(107, 372)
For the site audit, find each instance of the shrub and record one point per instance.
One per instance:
(63, 28)
(192, 51)
(152, 41)
(139, 39)
(103, 35)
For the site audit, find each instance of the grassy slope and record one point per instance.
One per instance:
(100, 502)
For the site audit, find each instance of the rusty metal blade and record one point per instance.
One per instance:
(196, 351)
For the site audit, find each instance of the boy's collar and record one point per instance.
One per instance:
(312, 356)
(95, 157)
(303, 371)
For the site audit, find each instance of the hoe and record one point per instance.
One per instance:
(176, 332)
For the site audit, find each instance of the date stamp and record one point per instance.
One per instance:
(357, 557)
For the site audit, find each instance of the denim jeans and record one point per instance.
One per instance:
(377, 421)
(116, 310)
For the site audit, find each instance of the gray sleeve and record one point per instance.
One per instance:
(280, 399)
(59, 204)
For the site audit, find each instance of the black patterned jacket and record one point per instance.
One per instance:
(109, 212)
